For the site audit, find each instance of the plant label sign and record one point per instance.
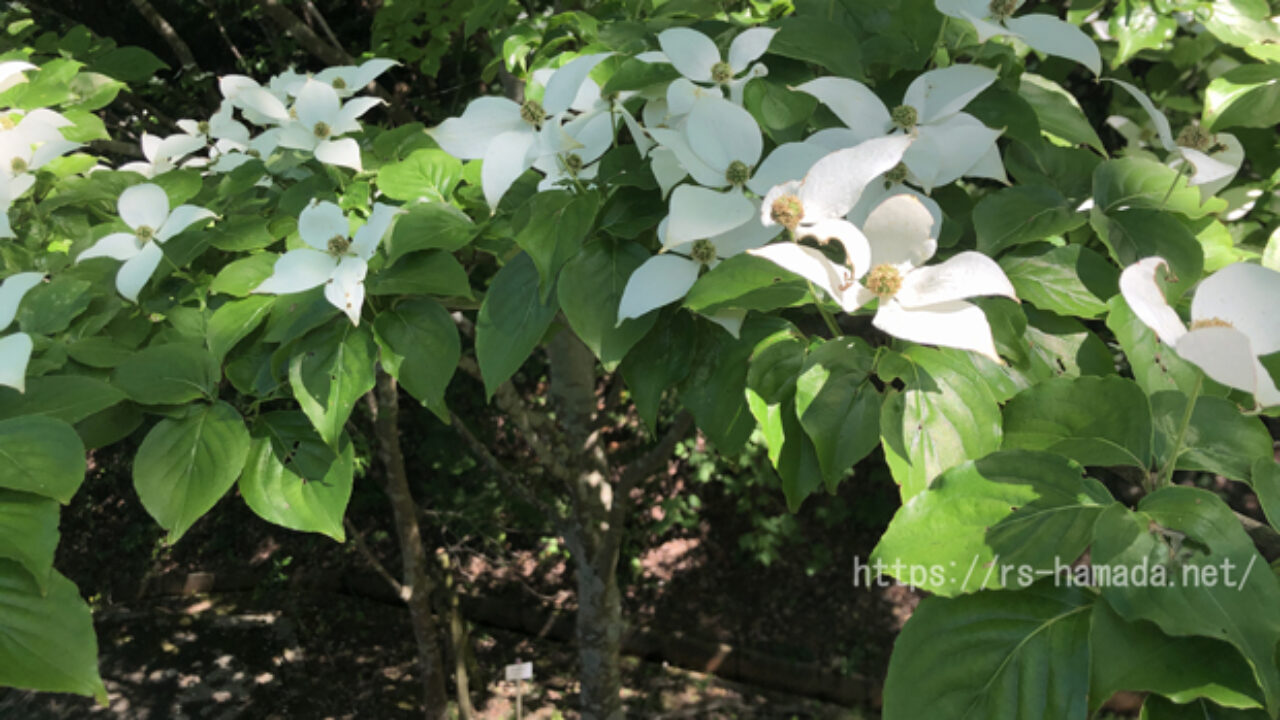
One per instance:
(520, 671)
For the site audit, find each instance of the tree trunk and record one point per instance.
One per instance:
(599, 635)
(417, 584)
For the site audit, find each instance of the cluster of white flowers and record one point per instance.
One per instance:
(28, 140)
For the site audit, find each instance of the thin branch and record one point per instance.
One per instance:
(646, 465)
(358, 538)
(175, 42)
(306, 37)
(324, 25)
(222, 30)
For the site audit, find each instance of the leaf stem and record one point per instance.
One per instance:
(822, 310)
(1166, 474)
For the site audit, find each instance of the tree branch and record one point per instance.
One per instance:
(305, 36)
(369, 557)
(175, 42)
(646, 465)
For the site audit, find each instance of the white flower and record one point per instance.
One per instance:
(220, 126)
(15, 349)
(666, 277)
(145, 209)
(585, 139)
(332, 257)
(347, 80)
(949, 143)
(1044, 33)
(33, 141)
(322, 118)
(163, 154)
(1233, 322)
(816, 207)
(718, 144)
(924, 304)
(698, 59)
(511, 136)
(1215, 158)
(229, 154)
(259, 105)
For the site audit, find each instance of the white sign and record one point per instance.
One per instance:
(520, 671)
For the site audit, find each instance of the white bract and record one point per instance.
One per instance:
(923, 304)
(332, 257)
(1043, 33)
(666, 277)
(220, 126)
(145, 209)
(11, 73)
(1215, 158)
(1233, 322)
(259, 105)
(584, 140)
(322, 120)
(509, 136)
(15, 349)
(949, 143)
(347, 80)
(698, 59)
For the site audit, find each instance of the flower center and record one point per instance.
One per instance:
(721, 72)
(897, 174)
(339, 84)
(787, 211)
(704, 252)
(7, 122)
(202, 127)
(144, 233)
(738, 173)
(531, 112)
(1002, 9)
(339, 245)
(1195, 137)
(322, 130)
(253, 153)
(904, 116)
(573, 163)
(884, 280)
(18, 165)
(1210, 322)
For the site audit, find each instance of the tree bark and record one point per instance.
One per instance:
(417, 585)
(599, 634)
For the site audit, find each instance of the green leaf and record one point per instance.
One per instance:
(744, 282)
(822, 41)
(776, 106)
(41, 455)
(427, 174)
(1240, 22)
(109, 426)
(98, 351)
(240, 277)
(714, 389)
(184, 466)
(47, 642)
(1064, 347)
(1266, 483)
(169, 374)
(590, 288)
(1022, 214)
(994, 655)
(1092, 420)
(241, 233)
(552, 227)
(1058, 111)
(420, 349)
(1203, 575)
(429, 272)
(511, 321)
(1244, 96)
(999, 106)
(291, 478)
(129, 64)
(1137, 657)
(1069, 169)
(1137, 26)
(1156, 707)
(295, 315)
(1131, 235)
(942, 417)
(69, 398)
(1218, 438)
(1004, 521)
(232, 322)
(29, 532)
(659, 361)
(329, 370)
(838, 406)
(1138, 183)
(1070, 280)
(634, 74)
(49, 308)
